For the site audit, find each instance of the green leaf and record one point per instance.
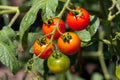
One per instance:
(94, 24)
(7, 36)
(84, 44)
(84, 35)
(27, 21)
(39, 68)
(8, 49)
(8, 58)
(49, 8)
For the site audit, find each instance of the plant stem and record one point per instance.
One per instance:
(5, 16)
(64, 8)
(8, 10)
(14, 18)
(101, 57)
(114, 4)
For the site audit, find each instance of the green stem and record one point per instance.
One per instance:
(7, 7)
(64, 8)
(8, 10)
(101, 57)
(114, 4)
(59, 17)
(90, 54)
(5, 16)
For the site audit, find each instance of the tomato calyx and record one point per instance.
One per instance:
(66, 37)
(49, 21)
(77, 13)
(42, 41)
(57, 54)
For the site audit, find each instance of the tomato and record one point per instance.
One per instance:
(69, 43)
(58, 62)
(48, 28)
(78, 20)
(40, 45)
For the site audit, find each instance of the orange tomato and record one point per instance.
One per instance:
(69, 43)
(42, 49)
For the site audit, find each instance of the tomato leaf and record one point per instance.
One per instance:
(49, 8)
(84, 35)
(27, 21)
(7, 36)
(39, 68)
(8, 49)
(94, 24)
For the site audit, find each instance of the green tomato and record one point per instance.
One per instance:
(117, 71)
(58, 62)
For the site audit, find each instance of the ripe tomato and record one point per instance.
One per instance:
(58, 62)
(48, 28)
(40, 45)
(78, 19)
(69, 43)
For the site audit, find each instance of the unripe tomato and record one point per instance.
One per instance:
(58, 62)
(48, 28)
(69, 43)
(117, 72)
(79, 19)
(42, 49)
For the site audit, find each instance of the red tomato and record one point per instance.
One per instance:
(48, 28)
(78, 19)
(40, 45)
(69, 43)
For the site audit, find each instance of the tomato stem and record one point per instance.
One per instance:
(57, 54)
(49, 21)
(42, 41)
(67, 37)
(77, 13)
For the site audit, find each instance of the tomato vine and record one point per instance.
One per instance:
(97, 26)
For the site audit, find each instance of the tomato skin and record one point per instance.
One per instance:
(59, 63)
(37, 48)
(49, 28)
(71, 47)
(78, 23)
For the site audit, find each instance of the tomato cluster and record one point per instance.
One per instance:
(68, 43)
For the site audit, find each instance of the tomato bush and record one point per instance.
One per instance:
(84, 34)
